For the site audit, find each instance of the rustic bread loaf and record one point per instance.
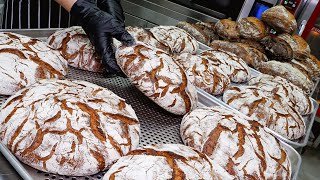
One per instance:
(269, 109)
(75, 46)
(203, 73)
(162, 162)
(300, 48)
(227, 29)
(303, 67)
(314, 63)
(252, 43)
(238, 144)
(289, 72)
(194, 31)
(284, 89)
(277, 49)
(208, 29)
(280, 19)
(256, 56)
(159, 77)
(68, 127)
(251, 28)
(233, 66)
(177, 39)
(24, 60)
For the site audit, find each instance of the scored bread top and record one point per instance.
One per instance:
(68, 127)
(158, 76)
(227, 29)
(24, 60)
(75, 46)
(301, 49)
(238, 144)
(162, 162)
(251, 28)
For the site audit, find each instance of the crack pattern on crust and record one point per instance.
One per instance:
(161, 162)
(251, 28)
(203, 74)
(75, 46)
(238, 144)
(301, 49)
(158, 76)
(24, 60)
(177, 39)
(288, 92)
(267, 108)
(232, 65)
(68, 127)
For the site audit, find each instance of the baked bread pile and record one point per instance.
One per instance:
(68, 127)
(75, 46)
(239, 145)
(24, 60)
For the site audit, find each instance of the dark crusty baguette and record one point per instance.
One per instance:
(277, 49)
(301, 49)
(289, 72)
(227, 29)
(280, 19)
(251, 28)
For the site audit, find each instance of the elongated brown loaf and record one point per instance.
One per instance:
(251, 28)
(256, 56)
(236, 143)
(227, 29)
(252, 43)
(280, 19)
(285, 90)
(75, 46)
(300, 48)
(165, 161)
(314, 63)
(24, 60)
(157, 75)
(289, 72)
(233, 66)
(194, 31)
(267, 108)
(277, 49)
(68, 127)
(208, 30)
(177, 39)
(203, 73)
(303, 67)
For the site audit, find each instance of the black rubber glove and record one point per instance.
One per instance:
(113, 7)
(100, 27)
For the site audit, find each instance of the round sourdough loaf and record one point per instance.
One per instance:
(177, 39)
(227, 29)
(301, 49)
(251, 28)
(203, 73)
(24, 60)
(159, 77)
(285, 90)
(238, 144)
(268, 108)
(231, 64)
(162, 162)
(280, 19)
(72, 128)
(75, 46)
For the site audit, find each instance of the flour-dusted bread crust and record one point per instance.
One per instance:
(252, 43)
(289, 72)
(208, 29)
(68, 127)
(303, 67)
(227, 29)
(162, 162)
(280, 19)
(277, 48)
(203, 73)
(314, 63)
(284, 89)
(238, 144)
(159, 77)
(24, 60)
(75, 46)
(232, 65)
(194, 31)
(251, 28)
(269, 109)
(257, 57)
(177, 39)
(301, 49)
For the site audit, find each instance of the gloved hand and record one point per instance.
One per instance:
(100, 27)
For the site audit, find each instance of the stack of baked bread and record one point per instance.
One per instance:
(283, 54)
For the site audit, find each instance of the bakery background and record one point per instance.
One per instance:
(150, 13)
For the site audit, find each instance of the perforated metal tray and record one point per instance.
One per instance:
(157, 125)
